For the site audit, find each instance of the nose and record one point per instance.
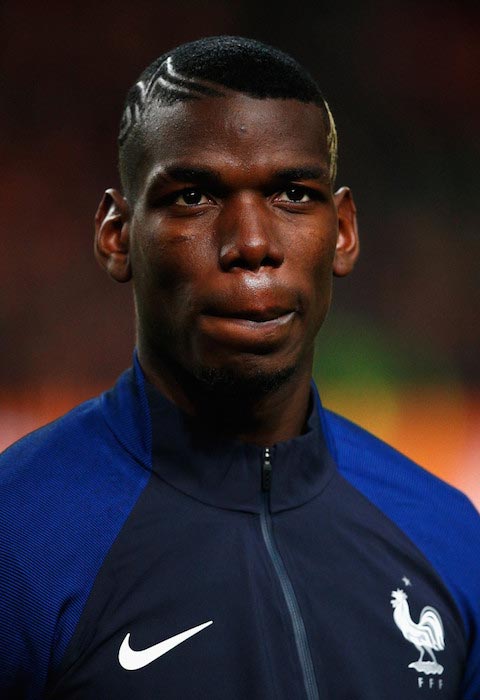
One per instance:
(248, 236)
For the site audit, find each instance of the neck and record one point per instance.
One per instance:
(259, 418)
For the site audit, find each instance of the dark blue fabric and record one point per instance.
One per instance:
(438, 518)
(193, 550)
(227, 473)
(65, 492)
(70, 491)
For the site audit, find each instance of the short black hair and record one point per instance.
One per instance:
(211, 67)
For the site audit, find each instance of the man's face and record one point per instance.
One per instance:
(233, 236)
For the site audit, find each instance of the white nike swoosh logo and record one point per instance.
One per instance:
(132, 660)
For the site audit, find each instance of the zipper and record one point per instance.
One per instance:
(299, 632)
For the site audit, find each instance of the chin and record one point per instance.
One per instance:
(244, 382)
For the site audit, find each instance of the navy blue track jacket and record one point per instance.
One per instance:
(143, 558)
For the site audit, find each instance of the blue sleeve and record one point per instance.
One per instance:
(66, 491)
(438, 519)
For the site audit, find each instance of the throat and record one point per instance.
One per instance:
(272, 418)
(262, 410)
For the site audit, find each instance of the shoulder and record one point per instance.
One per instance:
(42, 467)
(390, 477)
(79, 429)
(65, 472)
(438, 518)
(66, 490)
(50, 472)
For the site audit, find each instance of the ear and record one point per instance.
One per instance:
(348, 245)
(112, 241)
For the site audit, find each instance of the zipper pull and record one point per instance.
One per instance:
(266, 470)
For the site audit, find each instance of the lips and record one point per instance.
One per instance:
(257, 314)
(257, 329)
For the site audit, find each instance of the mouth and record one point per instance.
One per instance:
(263, 315)
(259, 322)
(249, 329)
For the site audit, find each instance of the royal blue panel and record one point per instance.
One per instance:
(65, 492)
(438, 518)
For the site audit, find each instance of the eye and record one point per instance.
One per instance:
(294, 194)
(190, 198)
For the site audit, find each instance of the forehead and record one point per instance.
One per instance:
(237, 131)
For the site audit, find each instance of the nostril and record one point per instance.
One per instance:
(242, 263)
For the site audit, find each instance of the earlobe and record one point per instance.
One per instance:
(112, 243)
(348, 245)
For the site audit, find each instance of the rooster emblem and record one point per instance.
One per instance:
(426, 634)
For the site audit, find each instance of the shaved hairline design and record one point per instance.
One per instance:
(164, 83)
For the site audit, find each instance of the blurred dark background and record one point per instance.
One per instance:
(399, 352)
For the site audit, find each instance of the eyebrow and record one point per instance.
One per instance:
(212, 178)
(203, 176)
(303, 173)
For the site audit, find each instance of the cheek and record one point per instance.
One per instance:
(157, 260)
(167, 269)
(318, 275)
(317, 255)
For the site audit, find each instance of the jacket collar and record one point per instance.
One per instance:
(219, 472)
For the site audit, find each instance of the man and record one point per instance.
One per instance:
(206, 529)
